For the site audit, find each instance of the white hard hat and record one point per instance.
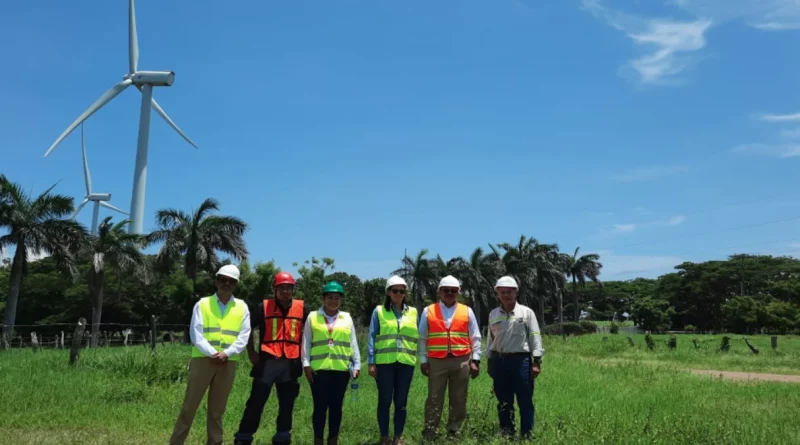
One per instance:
(506, 282)
(449, 281)
(395, 281)
(229, 270)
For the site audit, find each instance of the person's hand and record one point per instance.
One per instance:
(536, 369)
(220, 358)
(373, 371)
(356, 373)
(474, 370)
(253, 355)
(309, 374)
(425, 368)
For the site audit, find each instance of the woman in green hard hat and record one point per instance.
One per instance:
(330, 356)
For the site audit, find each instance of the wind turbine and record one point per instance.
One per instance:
(144, 81)
(99, 199)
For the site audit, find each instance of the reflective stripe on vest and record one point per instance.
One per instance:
(330, 351)
(443, 341)
(392, 346)
(282, 332)
(220, 330)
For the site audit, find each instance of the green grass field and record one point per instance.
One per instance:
(591, 391)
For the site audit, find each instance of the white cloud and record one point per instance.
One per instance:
(782, 151)
(650, 173)
(616, 266)
(780, 117)
(676, 220)
(668, 43)
(769, 15)
(624, 228)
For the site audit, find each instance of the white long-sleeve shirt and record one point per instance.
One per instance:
(199, 340)
(448, 313)
(515, 331)
(305, 352)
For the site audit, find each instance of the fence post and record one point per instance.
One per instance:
(774, 342)
(630, 341)
(34, 342)
(62, 340)
(4, 336)
(77, 338)
(752, 348)
(153, 334)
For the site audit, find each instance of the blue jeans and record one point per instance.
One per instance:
(512, 376)
(394, 382)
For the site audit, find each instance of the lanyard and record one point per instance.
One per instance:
(330, 326)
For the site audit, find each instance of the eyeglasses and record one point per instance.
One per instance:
(398, 291)
(226, 280)
(448, 291)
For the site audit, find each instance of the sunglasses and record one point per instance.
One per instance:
(448, 291)
(398, 291)
(226, 280)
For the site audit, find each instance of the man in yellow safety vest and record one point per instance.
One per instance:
(219, 331)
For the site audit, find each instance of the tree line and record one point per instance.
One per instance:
(105, 277)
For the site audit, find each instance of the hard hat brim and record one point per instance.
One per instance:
(227, 275)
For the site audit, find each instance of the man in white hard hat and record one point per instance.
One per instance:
(449, 352)
(514, 354)
(219, 331)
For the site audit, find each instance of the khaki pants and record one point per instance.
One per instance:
(451, 373)
(204, 373)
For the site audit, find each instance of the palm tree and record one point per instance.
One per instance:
(197, 238)
(478, 275)
(579, 269)
(35, 227)
(420, 276)
(113, 246)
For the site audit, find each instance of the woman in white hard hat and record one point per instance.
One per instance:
(392, 356)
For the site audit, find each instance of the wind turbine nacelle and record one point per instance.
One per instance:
(155, 78)
(99, 197)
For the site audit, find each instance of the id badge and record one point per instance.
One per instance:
(330, 343)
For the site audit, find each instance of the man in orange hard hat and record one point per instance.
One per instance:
(280, 326)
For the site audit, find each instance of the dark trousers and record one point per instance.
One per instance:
(259, 394)
(512, 376)
(328, 390)
(394, 382)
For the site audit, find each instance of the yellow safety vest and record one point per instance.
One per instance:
(393, 346)
(330, 351)
(220, 330)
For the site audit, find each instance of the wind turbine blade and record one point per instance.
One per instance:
(133, 41)
(104, 99)
(75, 213)
(105, 204)
(171, 124)
(87, 178)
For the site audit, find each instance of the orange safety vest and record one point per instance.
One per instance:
(443, 341)
(282, 333)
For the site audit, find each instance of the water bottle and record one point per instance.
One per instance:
(354, 390)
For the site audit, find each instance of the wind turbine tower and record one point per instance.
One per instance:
(99, 199)
(144, 81)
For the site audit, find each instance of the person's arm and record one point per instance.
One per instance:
(422, 345)
(196, 333)
(356, 355)
(488, 352)
(374, 327)
(305, 351)
(244, 335)
(251, 344)
(535, 339)
(474, 335)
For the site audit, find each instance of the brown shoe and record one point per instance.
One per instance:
(398, 440)
(333, 440)
(318, 441)
(386, 440)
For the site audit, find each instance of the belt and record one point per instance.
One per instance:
(510, 354)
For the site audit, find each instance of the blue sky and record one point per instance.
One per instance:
(650, 132)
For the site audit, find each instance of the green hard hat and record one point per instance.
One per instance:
(333, 287)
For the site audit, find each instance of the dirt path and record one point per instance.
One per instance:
(749, 376)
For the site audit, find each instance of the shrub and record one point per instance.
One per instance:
(588, 326)
(614, 329)
(568, 328)
(689, 328)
